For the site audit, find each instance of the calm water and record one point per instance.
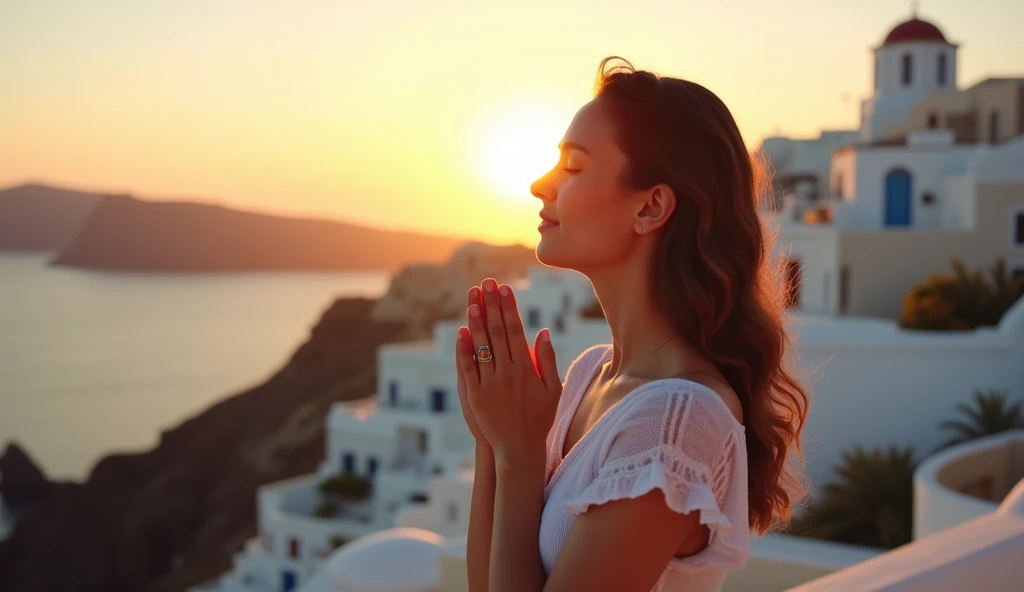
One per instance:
(93, 362)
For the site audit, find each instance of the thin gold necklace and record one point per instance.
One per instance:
(674, 335)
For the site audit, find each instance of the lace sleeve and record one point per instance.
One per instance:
(688, 446)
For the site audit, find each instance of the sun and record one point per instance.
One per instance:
(519, 145)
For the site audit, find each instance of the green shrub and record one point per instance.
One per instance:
(962, 301)
(327, 508)
(991, 414)
(871, 502)
(347, 486)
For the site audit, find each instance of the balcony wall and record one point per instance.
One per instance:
(966, 481)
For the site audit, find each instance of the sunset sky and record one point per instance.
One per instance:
(427, 115)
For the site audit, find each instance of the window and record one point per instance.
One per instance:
(560, 324)
(371, 466)
(907, 71)
(293, 548)
(844, 289)
(993, 127)
(348, 462)
(933, 121)
(533, 318)
(437, 400)
(838, 191)
(942, 69)
(393, 393)
(928, 199)
(1018, 229)
(288, 580)
(793, 283)
(453, 512)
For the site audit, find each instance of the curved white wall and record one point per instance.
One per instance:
(938, 505)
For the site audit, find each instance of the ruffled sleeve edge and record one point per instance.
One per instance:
(636, 476)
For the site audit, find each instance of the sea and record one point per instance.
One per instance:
(94, 362)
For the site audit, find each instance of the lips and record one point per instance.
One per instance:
(548, 219)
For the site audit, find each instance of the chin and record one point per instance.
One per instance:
(549, 254)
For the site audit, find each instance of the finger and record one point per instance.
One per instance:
(468, 375)
(461, 341)
(476, 296)
(514, 332)
(478, 334)
(495, 323)
(545, 353)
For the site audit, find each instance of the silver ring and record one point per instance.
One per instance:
(483, 353)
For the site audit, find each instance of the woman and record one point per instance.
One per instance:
(648, 468)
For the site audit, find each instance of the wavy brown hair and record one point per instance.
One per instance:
(712, 269)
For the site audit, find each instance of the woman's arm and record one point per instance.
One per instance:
(518, 502)
(481, 518)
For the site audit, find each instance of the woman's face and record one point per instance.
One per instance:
(590, 218)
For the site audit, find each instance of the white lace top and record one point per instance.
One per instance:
(672, 434)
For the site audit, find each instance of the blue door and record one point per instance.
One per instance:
(437, 397)
(287, 580)
(348, 463)
(897, 198)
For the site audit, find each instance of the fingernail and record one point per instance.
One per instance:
(460, 336)
(546, 336)
(489, 285)
(474, 293)
(474, 310)
(504, 290)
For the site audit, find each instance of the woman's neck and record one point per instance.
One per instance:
(638, 325)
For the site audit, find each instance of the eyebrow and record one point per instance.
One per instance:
(573, 146)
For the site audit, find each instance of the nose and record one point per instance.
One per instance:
(543, 189)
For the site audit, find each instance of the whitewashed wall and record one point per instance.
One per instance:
(816, 247)
(892, 100)
(927, 166)
(875, 385)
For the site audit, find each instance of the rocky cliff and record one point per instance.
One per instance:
(423, 293)
(173, 516)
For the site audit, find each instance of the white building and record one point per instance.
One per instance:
(925, 182)
(914, 60)
(800, 167)
(409, 440)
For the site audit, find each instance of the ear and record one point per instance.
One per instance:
(655, 209)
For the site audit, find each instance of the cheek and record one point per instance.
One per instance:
(592, 227)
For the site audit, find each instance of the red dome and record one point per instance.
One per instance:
(914, 30)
